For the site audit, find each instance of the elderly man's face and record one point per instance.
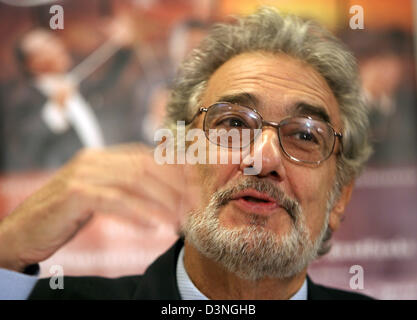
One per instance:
(278, 84)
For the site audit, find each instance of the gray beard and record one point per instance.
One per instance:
(253, 252)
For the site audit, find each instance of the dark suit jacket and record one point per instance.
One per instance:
(158, 283)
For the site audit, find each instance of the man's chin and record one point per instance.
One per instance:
(255, 228)
(256, 237)
(252, 252)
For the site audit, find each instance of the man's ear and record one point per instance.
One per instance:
(336, 215)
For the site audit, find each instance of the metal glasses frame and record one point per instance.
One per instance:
(275, 125)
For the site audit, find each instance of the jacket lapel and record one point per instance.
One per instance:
(317, 292)
(160, 280)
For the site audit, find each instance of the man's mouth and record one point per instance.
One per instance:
(255, 202)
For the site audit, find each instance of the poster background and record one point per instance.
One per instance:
(379, 232)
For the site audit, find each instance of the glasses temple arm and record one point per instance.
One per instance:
(340, 136)
(202, 109)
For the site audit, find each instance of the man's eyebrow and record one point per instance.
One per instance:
(301, 108)
(242, 98)
(306, 109)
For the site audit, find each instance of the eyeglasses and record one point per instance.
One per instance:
(302, 139)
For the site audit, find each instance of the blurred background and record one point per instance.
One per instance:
(104, 79)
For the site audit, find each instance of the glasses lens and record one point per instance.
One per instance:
(230, 125)
(306, 139)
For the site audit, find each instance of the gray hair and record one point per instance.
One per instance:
(269, 31)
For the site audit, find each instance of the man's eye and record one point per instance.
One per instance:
(233, 123)
(306, 136)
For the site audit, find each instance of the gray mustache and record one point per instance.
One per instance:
(264, 186)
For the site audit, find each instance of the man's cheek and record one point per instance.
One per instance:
(314, 210)
(208, 179)
(195, 185)
(307, 189)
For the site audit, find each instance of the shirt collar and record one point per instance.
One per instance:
(188, 291)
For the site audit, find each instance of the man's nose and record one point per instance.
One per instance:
(267, 148)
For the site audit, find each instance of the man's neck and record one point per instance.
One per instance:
(215, 282)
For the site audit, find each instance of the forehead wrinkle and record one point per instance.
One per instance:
(274, 80)
(269, 58)
(310, 97)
